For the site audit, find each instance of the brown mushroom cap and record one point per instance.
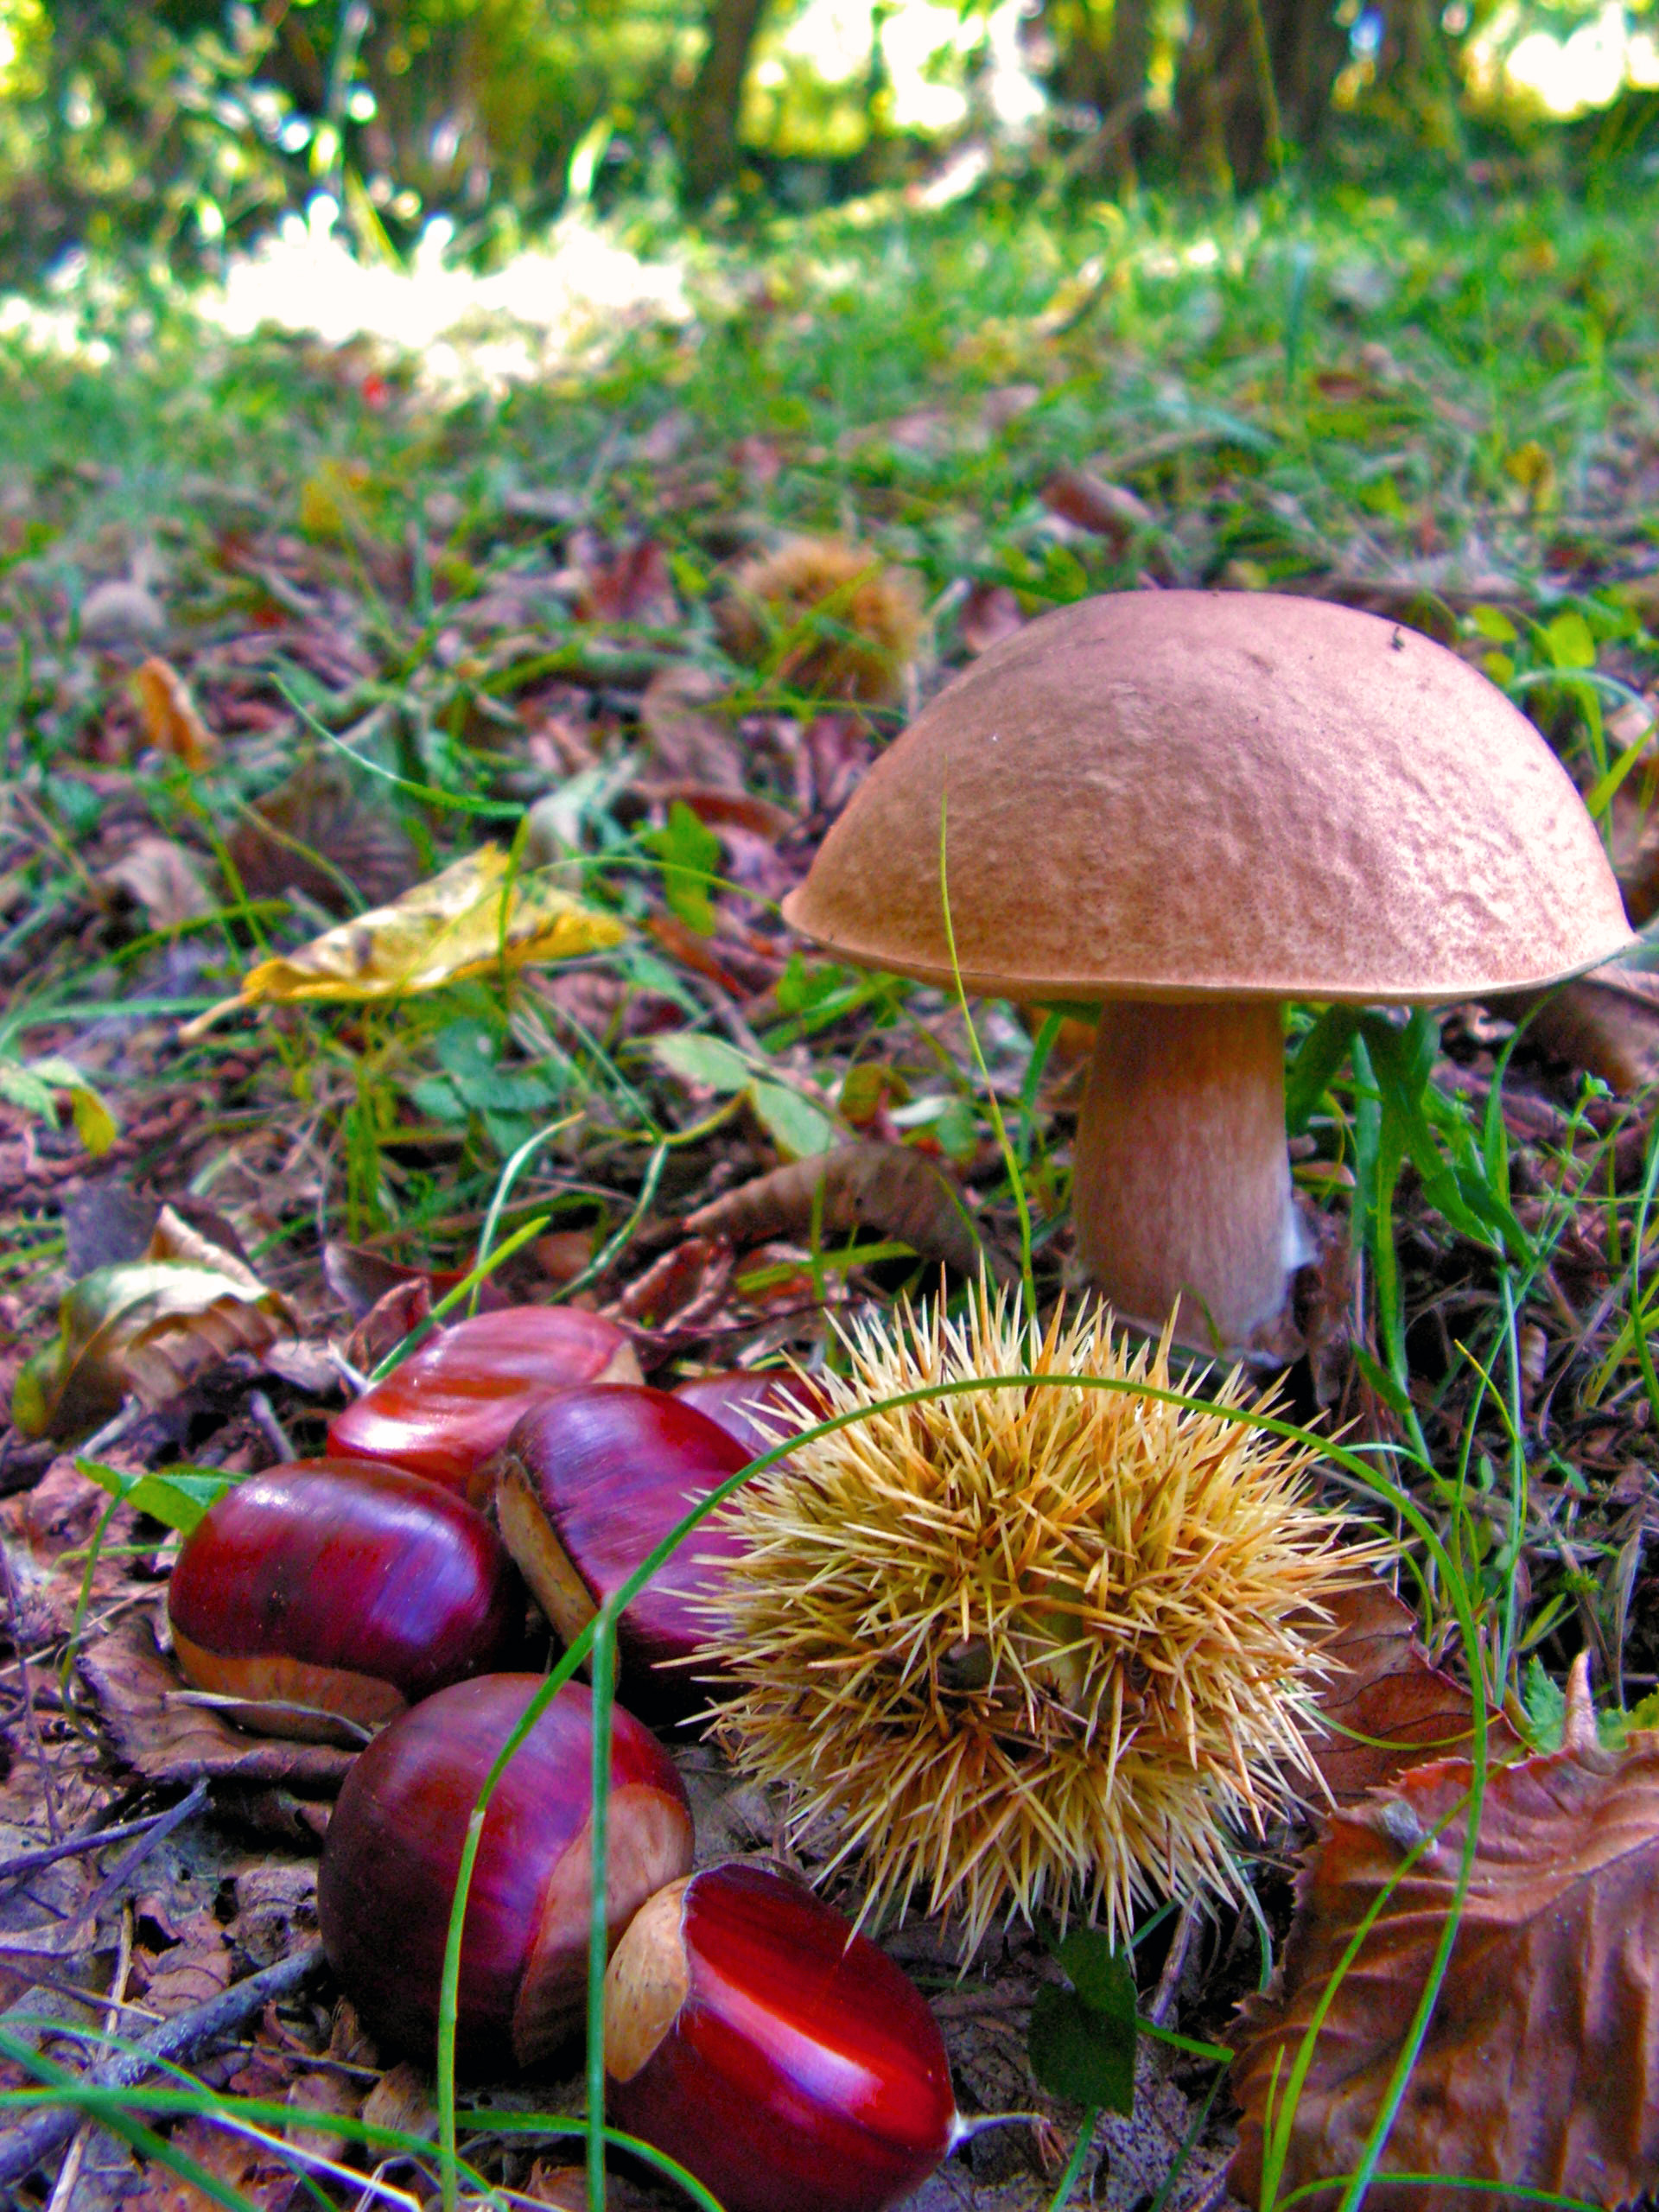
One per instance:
(1187, 795)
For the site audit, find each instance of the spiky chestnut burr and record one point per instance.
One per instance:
(847, 625)
(1033, 1647)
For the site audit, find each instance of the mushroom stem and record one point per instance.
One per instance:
(1181, 1188)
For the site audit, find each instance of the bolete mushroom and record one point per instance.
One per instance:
(1193, 806)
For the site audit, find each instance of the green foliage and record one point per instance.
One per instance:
(1081, 2042)
(794, 1125)
(36, 1086)
(691, 856)
(177, 1500)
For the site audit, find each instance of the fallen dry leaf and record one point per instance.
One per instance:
(171, 722)
(888, 1188)
(989, 613)
(165, 1737)
(193, 1971)
(1108, 511)
(159, 875)
(263, 2179)
(148, 1326)
(1606, 1022)
(1389, 1708)
(683, 1288)
(402, 2098)
(635, 585)
(468, 920)
(317, 835)
(1540, 2070)
(687, 743)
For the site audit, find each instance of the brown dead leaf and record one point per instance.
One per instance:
(158, 874)
(989, 613)
(402, 2098)
(322, 2096)
(1540, 2069)
(838, 751)
(565, 2188)
(683, 1289)
(360, 1280)
(171, 722)
(717, 808)
(148, 1326)
(635, 585)
(193, 1970)
(1606, 1022)
(262, 2177)
(689, 743)
(316, 833)
(1108, 511)
(891, 1188)
(1390, 1708)
(157, 1731)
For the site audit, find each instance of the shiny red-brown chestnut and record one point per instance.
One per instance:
(782, 2059)
(330, 1592)
(452, 1404)
(758, 1410)
(389, 1863)
(590, 1483)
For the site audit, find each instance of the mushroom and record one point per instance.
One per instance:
(1190, 807)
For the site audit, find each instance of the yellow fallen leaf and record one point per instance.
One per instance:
(465, 921)
(171, 722)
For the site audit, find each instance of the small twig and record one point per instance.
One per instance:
(1174, 1966)
(264, 1417)
(48, 1787)
(113, 1430)
(155, 1832)
(27, 1862)
(180, 2040)
(63, 2193)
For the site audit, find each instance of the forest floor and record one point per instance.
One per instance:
(385, 621)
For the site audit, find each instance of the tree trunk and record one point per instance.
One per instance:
(713, 106)
(1103, 58)
(1254, 84)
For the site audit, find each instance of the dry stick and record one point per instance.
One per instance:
(181, 2039)
(1174, 1965)
(48, 1788)
(63, 2193)
(12, 1870)
(155, 1832)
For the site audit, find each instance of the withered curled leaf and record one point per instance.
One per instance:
(1540, 2070)
(888, 1188)
(148, 1326)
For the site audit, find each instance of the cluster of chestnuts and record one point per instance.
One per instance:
(368, 1591)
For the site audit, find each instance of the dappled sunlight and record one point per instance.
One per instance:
(1568, 75)
(567, 300)
(930, 48)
